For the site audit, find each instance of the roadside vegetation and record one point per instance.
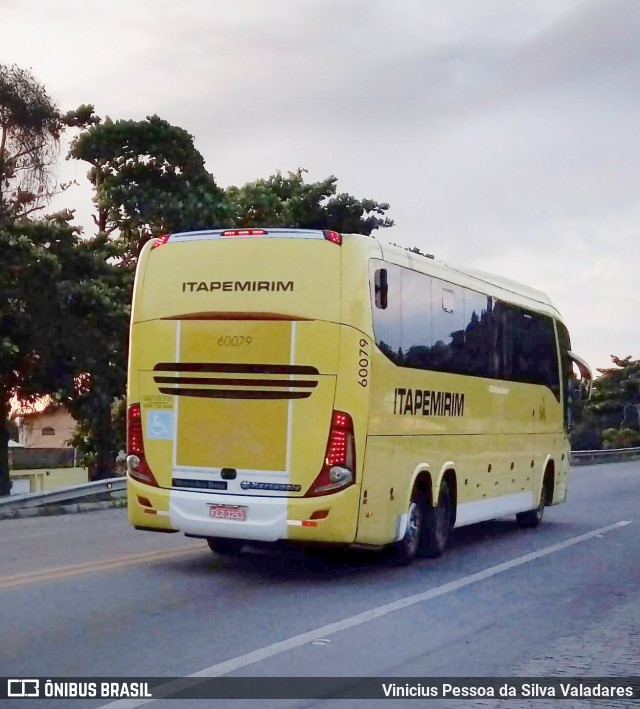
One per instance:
(611, 418)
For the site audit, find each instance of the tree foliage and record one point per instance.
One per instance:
(31, 360)
(611, 418)
(148, 179)
(64, 313)
(617, 390)
(289, 201)
(91, 442)
(95, 324)
(30, 128)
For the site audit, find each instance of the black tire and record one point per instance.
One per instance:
(533, 518)
(406, 549)
(435, 532)
(225, 547)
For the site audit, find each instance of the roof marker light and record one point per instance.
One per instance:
(244, 232)
(333, 237)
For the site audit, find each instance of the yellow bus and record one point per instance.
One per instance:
(318, 388)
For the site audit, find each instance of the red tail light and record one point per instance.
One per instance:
(136, 461)
(333, 237)
(339, 468)
(160, 241)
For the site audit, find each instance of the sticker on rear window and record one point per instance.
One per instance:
(160, 424)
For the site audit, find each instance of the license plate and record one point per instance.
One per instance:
(235, 512)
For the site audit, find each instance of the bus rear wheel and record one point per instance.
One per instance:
(225, 547)
(406, 549)
(435, 532)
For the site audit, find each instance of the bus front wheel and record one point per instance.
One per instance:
(532, 518)
(435, 533)
(225, 547)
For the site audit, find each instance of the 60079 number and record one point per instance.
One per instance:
(363, 364)
(234, 341)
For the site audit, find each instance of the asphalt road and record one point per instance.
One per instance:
(85, 595)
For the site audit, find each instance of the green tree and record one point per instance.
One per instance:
(63, 327)
(148, 179)
(32, 358)
(88, 445)
(94, 325)
(30, 128)
(289, 201)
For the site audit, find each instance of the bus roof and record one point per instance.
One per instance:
(472, 278)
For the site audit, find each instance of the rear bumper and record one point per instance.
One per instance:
(269, 519)
(266, 517)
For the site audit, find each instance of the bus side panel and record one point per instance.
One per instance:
(486, 438)
(150, 341)
(381, 478)
(153, 342)
(551, 442)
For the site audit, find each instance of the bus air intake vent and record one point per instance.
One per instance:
(238, 381)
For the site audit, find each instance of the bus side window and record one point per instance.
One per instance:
(416, 319)
(447, 328)
(479, 348)
(448, 300)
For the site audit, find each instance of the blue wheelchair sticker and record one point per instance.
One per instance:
(160, 424)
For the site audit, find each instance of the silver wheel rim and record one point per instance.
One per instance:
(413, 527)
(540, 510)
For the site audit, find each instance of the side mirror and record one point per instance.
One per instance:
(585, 389)
(586, 377)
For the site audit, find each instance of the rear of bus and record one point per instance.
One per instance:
(246, 415)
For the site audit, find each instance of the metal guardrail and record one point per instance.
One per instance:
(77, 492)
(63, 494)
(609, 455)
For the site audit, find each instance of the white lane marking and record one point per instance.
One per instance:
(249, 658)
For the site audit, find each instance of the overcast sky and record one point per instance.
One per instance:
(505, 135)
